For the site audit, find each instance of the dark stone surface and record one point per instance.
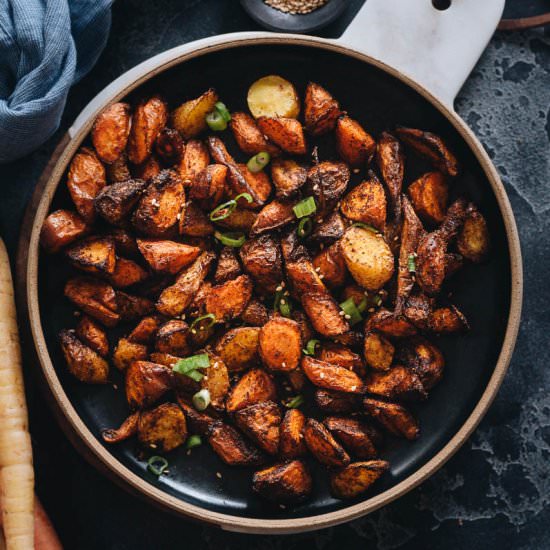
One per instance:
(495, 492)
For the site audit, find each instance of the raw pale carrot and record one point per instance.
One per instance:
(16, 469)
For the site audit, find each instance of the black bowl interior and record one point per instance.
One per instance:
(379, 102)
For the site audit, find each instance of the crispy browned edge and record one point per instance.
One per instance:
(89, 445)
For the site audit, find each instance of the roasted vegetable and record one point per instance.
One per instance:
(285, 132)
(336, 402)
(115, 202)
(366, 203)
(132, 307)
(274, 215)
(110, 132)
(390, 324)
(198, 422)
(208, 186)
(280, 344)
(232, 448)
(446, 320)
(162, 428)
(228, 300)
(331, 266)
(354, 145)
(255, 386)
(261, 258)
(93, 335)
(127, 273)
(378, 351)
(169, 146)
(329, 229)
(248, 136)
(331, 377)
(83, 362)
(126, 430)
(473, 239)
(354, 479)
(261, 423)
(126, 352)
(395, 418)
(273, 96)
(429, 194)
(194, 160)
(193, 222)
(424, 359)
(288, 177)
(399, 382)
(228, 266)
(327, 183)
(321, 110)
(167, 256)
(323, 446)
(189, 119)
(291, 441)
(60, 229)
(287, 482)
(357, 437)
(93, 255)
(238, 348)
(341, 356)
(391, 162)
(173, 337)
(146, 383)
(255, 313)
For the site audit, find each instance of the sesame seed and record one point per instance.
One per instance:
(371, 309)
(348, 317)
(282, 506)
(322, 375)
(342, 313)
(353, 388)
(218, 475)
(115, 387)
(279, 288)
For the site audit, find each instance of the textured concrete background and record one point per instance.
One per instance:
(495, 492)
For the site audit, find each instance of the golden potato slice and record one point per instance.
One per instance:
(336, 402)
(429, 194)
(424, 359)
(198, 422)
(285, 132)
(194, 222)
(288, 482)
(173, 337)
(331, 377)
(166, 256)
(358, 438)
(288, 177)
(189, 119)
(331, 266)
(126, 430)
(115, 202)
(83, 362)
(146, 383)
(254, 386)
(378, 351)
(228, 300)
(148, 120)
(85, 179)
(323, 446)
(232, 448)
(169, 146)
(341, 356)
(93, 335)
(248, 136)
(261, 258)
(273, 96)
(291, 442)
(126, 352)
(391, 162)
(473, 240)
(280, 344)
(93, 255)
(194, 160)
(238, 348)
(162, 428)
(366, 203)
(354, 145)
(94, 297)
(60, 229)
(395, 418)
(397, 383)
(274, 215)
(255, 313)
(158, 210)
(110, 132)
(356, 478)
(321, 110)
(446, 320)
(133, 307)
(368, 257)
(209, 186)
(261, 423)
(431, 147)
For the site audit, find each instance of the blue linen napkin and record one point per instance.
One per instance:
(45, 47)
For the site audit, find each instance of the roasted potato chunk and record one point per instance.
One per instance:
(232, 448)
(424, 359)
(390, 324)
(341, 356)
(446, 320)
(287, 482)
(255, 313)
(148, 169)
(329, 229)
(273, 215)
(110, 132)
(327, 182)
(94, 297)
(261, 258)
(285, 132)
(146, 383)
(288, 177)
(255, 386)
(216, 381)
(176, 298)
(431, 147)
(357, 437)
(198, 422)
(118, 170)
(397, 383)
(354, 479)
(228, 266)
(162, 428)
(291, 441)
(273, 96)
(248, 136)
(160, 206)
(354, 145)
(189, 119)
(145, 331)
(391, 162)
(261, 423)
(368, 257)
(331, 266)
(336, 402)
(321, 110)
(60, 229)
(169, 146)
(194, 160)
(127, 273)
(228, 300)
(238, 348)
(418, 309)
(83, 362)
(331, 377)
(115, 202)
(378, 351)
(93, 335)
(126, 352)
(173, 337)
(473, 240)
(194, 222)
(93, 255)
(182, 383)
(126, 430)
(280, 344)
(208, 187)
(429, 194)
(395, 418)
(132, 307)
(239, 220)
(167, 256)
(366, 203)
(323, 446)
(85, 179)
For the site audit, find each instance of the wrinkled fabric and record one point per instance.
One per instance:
(45, 47)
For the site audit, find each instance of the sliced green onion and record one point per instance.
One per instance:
(193, 441)
(222, 109)
(411, 263)
(310, 347)
(282, 304)
(223, 210)
(246, 196)
(362, 305)
(295, 402)
(377, 300)
(305, 207)
(201, 399)
(189, 366)
(233, 238)
(216, 121)
(304, 227)
(365, 226)
(205, 326)
(258, 162)
(157, 465)
(351, 312)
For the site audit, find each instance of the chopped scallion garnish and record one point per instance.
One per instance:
(282, 304)
(226, 209)
(310, 347)
(216, 121)
(411, 263)
(295, 402)
(258, 162)
(365, 226)
(201, 399)
(223, 111)
(204, 326)
(352, 314)
(157, 465)
(193, 441)
(304, 227)
(234, 239)
(305, 207)
(190, 365)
